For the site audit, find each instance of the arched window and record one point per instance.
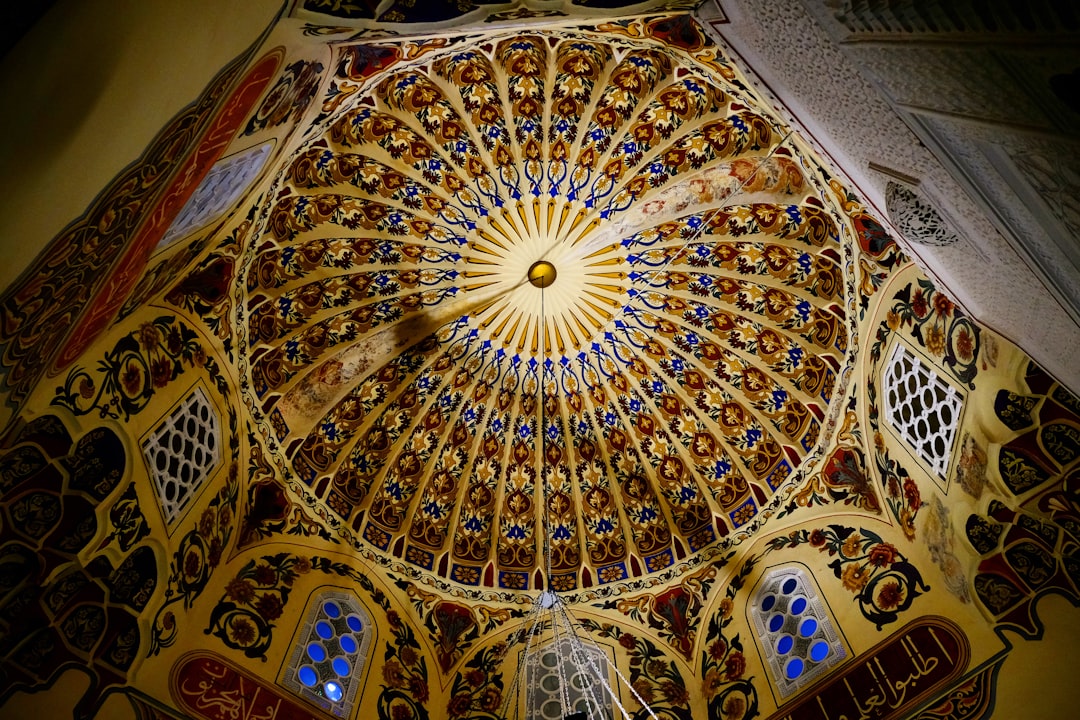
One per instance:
(922, 408)
(223, 185)
(796, 634)
(331, 650)
(182, 452)
(565, 677)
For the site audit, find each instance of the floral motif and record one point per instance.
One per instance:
(289, 97)
(477, 692)
(935, 322)
(653, 677)
(205, 290)
(902, 494)
(405, 690)
(453, 627)
(883, 581)
(198, 555)
(269, 510)
(140, 363)
(843, 479)
(729, 693)
(253, 600)
(129, 523)
(939, 538)
(674, 612)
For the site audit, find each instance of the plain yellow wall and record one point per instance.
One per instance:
(85, 92)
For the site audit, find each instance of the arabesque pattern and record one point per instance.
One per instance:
(678, 370)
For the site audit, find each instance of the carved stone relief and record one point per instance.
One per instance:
(847, 111)
(1057, 182)
(915, 216)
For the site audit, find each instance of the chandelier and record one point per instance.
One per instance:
(564, 674)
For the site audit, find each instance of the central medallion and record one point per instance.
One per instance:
(542, 274)
(503, 272)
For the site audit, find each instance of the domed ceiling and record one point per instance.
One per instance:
(642, 410)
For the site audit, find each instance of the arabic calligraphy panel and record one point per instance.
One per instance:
(892, 678)
(207, 686)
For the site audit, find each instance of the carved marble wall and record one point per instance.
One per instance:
(949, 99)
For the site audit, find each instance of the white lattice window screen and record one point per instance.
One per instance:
(218, 191)
(922, 408)
(567, 666)
(798, 638)
(331, 651)
(183, 452)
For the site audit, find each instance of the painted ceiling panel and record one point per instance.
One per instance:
(641, 409)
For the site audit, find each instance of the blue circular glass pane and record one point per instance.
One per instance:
(341, 666)
(768, 602)
(808, 627)
(348, 644)
(789, 586)
(354, 623)
(784, 646)
(776, 622)
(794, 668)
(308, 676)
(316, 652)
(798, 606)
(332, 610)
(819, 651)
(324, 630)
(333, 691)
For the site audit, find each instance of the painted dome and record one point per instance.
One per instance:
(641, 410)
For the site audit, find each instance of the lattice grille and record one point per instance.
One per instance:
(183, 452)
(796, 633)
(567, 665)
(922, 408)
(218, 191)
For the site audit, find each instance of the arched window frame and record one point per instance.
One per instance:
(316, 618)
(557, 669)
(773, 615)
(926, 421)
(179, 476)
(222, 186)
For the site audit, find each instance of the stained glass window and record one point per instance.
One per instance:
(330, 653)
(796, 634)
